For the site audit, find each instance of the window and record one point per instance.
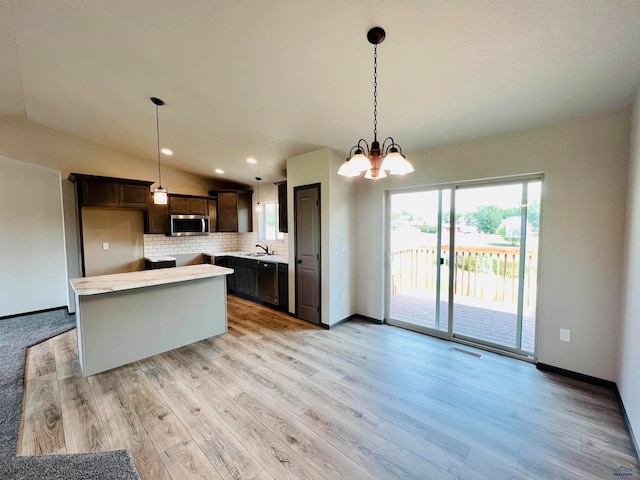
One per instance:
(268, 223)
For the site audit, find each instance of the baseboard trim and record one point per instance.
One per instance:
(601, 383)
(627, 423)
(353, 317)
(576, 376)
(340, 322)
(368, 319)
(6, 317)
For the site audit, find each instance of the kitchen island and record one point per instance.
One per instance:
(125, 317)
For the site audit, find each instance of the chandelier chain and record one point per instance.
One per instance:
(375, 92)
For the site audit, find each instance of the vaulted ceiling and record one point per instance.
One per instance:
(271, 78)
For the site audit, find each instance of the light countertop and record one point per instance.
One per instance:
(161, 259)
(146, 278)
(263, 258)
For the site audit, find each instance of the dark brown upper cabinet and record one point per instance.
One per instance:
(213, 215)
(188, 205)
(282, 207)
(109, 192)
(157, 219)
(235, 213)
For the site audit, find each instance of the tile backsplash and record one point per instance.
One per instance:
(160, 245)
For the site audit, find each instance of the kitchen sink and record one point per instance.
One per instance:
(255, 254)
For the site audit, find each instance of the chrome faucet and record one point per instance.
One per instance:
(266, 249)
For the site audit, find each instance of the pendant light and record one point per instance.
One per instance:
(377, 160)
(160, 194)
(258, 206)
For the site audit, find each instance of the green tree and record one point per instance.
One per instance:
(533, 214)
(398, 218)
(487, 218)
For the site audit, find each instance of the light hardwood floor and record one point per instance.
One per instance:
(277, 398)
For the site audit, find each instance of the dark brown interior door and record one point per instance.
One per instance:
(307, 228)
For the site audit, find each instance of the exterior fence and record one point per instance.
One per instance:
(486, 273)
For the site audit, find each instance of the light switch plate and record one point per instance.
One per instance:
(105, 245)
(565, 334)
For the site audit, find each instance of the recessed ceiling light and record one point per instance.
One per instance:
(219, 170)
(251, 160)
(167, 151)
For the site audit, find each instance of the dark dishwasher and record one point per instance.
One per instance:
(268, 282)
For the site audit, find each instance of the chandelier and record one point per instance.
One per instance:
(375, 160)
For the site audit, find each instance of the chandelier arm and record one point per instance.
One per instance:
(385, 147)
(366, 146)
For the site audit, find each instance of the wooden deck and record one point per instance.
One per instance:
(493, 323)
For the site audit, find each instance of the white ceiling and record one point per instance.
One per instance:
(276, 78)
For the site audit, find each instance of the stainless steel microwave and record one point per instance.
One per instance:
(184, 225)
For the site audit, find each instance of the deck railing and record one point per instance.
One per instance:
(487, 273)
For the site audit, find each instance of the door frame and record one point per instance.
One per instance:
(449, 335)
(318, 186)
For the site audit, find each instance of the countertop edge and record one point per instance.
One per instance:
(147, 278)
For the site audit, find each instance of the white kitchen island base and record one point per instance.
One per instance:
(123, 325)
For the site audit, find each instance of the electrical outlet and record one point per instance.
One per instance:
(565, 334)
(105, 245)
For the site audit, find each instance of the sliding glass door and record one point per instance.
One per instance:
(419, 243)
(463, 262)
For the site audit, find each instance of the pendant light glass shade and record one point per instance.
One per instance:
(396, 164)
(160, 196)
(360, 162)
(371, 174)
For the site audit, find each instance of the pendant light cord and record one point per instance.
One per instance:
(158, 137)
(375, 92)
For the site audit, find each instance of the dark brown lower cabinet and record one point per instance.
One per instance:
(283, 286)
(244, 281)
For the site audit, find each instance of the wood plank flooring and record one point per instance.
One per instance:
(277, 398)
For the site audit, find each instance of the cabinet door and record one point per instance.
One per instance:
(227, 212)
(245, 212)
(283, 285)
(231, 279)
(251, 281)
(282, 207)
(158, 220)
(213, 215)
(133, 195)
(98, 193)
(178, 205)
(198, 206)
(241, 279)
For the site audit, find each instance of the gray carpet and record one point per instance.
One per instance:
(16, 335)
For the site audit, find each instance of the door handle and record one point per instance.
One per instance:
(299, 261)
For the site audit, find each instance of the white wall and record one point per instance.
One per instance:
(336, 225)
(39, 145)
(32, 257)
(585, 165)
(33, 143)
(629, 376)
